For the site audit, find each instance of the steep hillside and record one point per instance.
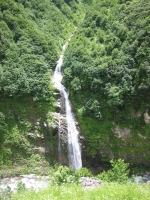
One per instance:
(107, 70)
(31, 37)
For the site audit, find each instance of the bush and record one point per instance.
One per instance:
(21, 187)
(83, 172)
(63, 174)
(118, 173)
(5, 193)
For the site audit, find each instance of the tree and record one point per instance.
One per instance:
(115, 96)
(76, 84)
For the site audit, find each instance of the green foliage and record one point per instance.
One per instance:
(30, 43)
(108, 61)
(112, 48)
(118, 173)
(21, 187)
(115, 97)
(83, 172)
(91, 108)
(63, 175)
(113, 191)
(25, 122)
(75, 84)
(2, 127)
(5, 193)
(32, 35)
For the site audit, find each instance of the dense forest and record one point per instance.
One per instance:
(106, 70)
(31, 37)
(109, 56)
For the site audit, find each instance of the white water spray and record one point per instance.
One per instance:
(59, 144)
(74, 151)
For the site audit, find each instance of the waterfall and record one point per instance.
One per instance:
(59, 145)
(74, 151)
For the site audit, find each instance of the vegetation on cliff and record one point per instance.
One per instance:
(31, 37)
(107, 70)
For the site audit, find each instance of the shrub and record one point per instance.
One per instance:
(5, 193)
(118, 173)
(21, 187)
(83, 172)
(63, 174)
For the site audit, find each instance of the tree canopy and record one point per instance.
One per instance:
(109, 54)
(32, 33)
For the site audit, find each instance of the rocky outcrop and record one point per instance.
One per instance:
(61, 155)
(60, 126)
(146, 117)
(123, 143)
(90, 182)
(62, 132)
(122, 133)
(43, 143)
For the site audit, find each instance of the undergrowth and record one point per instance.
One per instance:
(111, 191)
(65, 184)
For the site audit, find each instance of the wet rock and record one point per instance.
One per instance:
(138, 179)
(143, 178)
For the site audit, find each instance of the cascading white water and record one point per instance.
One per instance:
(74, 151)
(59, 145)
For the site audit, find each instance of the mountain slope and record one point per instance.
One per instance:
(107, 70)
(31, 36)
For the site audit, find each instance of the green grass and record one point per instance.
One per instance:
(111, 191)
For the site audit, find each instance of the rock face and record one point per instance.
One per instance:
(61, 127)
(62, 133)
(146, 117)
(123, 143)
(122, 133)
(43, 143)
